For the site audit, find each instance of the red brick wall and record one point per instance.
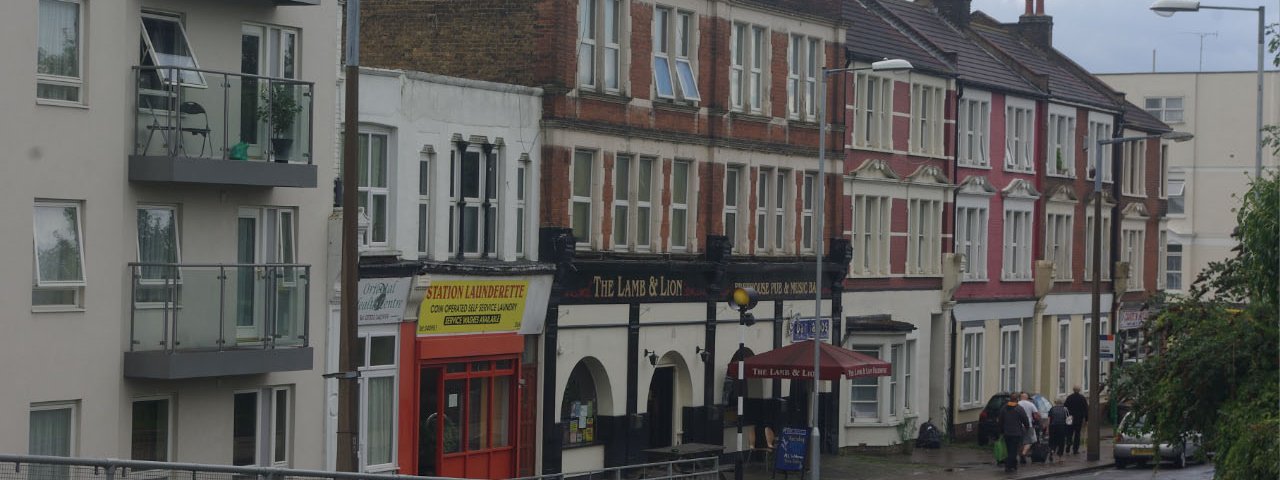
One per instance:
(557, 162)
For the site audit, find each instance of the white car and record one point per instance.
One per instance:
(1135, 446)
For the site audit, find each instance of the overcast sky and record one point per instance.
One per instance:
(1111, 36)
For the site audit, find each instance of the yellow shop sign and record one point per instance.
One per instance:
(472, 306)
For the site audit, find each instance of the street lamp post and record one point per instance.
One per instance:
(1169, 7)
(1093, 446)
(886, 65)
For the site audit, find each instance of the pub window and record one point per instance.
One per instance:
(578, 410)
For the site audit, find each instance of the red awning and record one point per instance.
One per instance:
(795, 362)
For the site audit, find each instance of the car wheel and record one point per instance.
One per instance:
(1121, 463)
(1181, 460)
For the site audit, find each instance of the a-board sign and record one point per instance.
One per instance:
(792, 450)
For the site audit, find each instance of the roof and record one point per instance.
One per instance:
(871, 36)
(973, 64)
(1063, 84)
(1137, 118)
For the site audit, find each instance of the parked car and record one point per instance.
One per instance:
(988, 420)
(1135, 446)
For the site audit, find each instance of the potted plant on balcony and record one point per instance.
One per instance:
(280, 109)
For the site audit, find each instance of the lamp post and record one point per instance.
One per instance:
(744, 299)
(886, 65)
(1169, 7)
(1093, 447)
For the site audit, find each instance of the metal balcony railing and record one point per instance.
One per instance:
(212, 307)
(196, 113)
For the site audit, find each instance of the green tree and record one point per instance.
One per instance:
(1271, 133)
(1215, 361)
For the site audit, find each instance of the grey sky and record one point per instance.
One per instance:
(1110, 36)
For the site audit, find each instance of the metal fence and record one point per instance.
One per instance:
(36, 467)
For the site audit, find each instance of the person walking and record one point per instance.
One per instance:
(1030, 438)
(1078, 407)
(1013, 424)
(1058, 429)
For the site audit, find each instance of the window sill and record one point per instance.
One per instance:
(1020, 171)
(61, 103)
(56, 309)
(966, 408)
(928, 155)
(875, 149)
(758, 117)
(1003, 279)
(618, 98)
(675, 105)
(802, 123)
(1068, 176)
(1062, 280)
(974, 166)
(976, 280)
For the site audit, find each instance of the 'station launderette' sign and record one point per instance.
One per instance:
(472, 306)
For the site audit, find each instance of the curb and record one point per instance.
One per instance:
(1090, 468)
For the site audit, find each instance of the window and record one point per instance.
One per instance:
(1173, 266)
(632, 203)
(157, 246)
(1167, 109)
(1133, 168)
(580, 202)
(376, 352)
(373, 184)
(864, 403)
(1162, 253)
(59, 255)
(895, 362)
(270, 406)
(1062, 153)
(579, 408)
(1089, 333)
(680, 171)
(873, 112)
(424, 203)
(804, 55)
(52, 431)
(771, 188)
(926, 120)
(1099, 131)
(975, 125)
(1017, 245)
(971, 368)
(150, 434)
(268, 51)
(165, 44)
(522, 189)
(1064, 339)
(1177, 195)
(58, 51)
(871, 220)
(924, 237)
(1164, 171)
(1133, 238)
(806, 213)
(1057, 244)
(732, 199)
(1106, 244)
(1019, 122)
(781, 214)
(971, 241)
(599, 31)
(473, 193)
(908, 373)
(1010, 351)
(748, 49)
(674, 32)
(764, 195)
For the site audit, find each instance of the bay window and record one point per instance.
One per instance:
(971, 393)
(1057, 242)
(1010, 352)
(1133, 168)
(872, 216)
(1064, 340)
(924, 236)
(1133, 242)
(975, 126)
(864, 397)
(1017, 244)
(971, 240)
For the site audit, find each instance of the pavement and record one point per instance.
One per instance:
(959, 461)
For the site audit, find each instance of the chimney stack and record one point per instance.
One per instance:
(1035, 26)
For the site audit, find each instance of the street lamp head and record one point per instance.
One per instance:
(1177, 136)
(891, 65)
(1167, 8)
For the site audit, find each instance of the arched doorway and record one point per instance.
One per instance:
(670, 391)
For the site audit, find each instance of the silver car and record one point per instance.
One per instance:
(1134, 445)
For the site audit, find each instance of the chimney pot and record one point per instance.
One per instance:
(1029, 8)
(1039, 7)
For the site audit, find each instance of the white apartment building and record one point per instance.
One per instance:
(167, 188)
(1208, 173)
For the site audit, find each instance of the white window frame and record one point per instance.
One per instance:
(188, 78)
(783, 209)
(895, 364)
(873, 383)
(1017, 229)
(766, 192)
(73, 435)
(74, 82)
(908, 376)
(873, 112)
(265, 424)
(1100, 126)
(871, 246)
(1160, 108)
(1162, 254)
(924, 237)
(927, 119)
(974, 130)
(1172, 274)
(627, 198)
(733, 206)
(675, 45)
(40, 284)
(1134, 169)
(584, 239)
(748, 65)
(1085, 346)
(1010, 357)
(163, 282)
(487, 190)
(598, 53)
(808, 190)
(1164, 171)
(1020, 116)
(1064, 347)
(971, 393)
(425, 163)
(678, 244)
(971, 234)
(1058, 236)
(804, 58)
(1133, 237)
(1177, 194)
(257, 423)
(521, 201)
(369, 191)
(368, 371)
(1106, 242)
(1061, 135)
(169, 432)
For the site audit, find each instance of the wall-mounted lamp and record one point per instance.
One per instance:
(702, 353)
(653, 357)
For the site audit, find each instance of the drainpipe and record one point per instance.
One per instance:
(948, 303)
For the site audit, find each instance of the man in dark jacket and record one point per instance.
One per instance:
(1013, 424)
(1078, 406)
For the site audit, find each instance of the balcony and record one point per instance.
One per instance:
(197, 126)
(211, 320)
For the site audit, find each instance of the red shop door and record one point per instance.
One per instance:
(469, 410)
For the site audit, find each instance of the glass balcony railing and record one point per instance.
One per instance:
(194, 113)
(215, 307)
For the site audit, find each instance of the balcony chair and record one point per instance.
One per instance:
(190, 109)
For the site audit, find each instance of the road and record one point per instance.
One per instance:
(1194, 472)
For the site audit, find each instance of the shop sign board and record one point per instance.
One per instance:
(802, 329)
(1132, 319)
(1106, 347)
(633, 282)
(792, 448)
(383, 300)
(473, 306)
